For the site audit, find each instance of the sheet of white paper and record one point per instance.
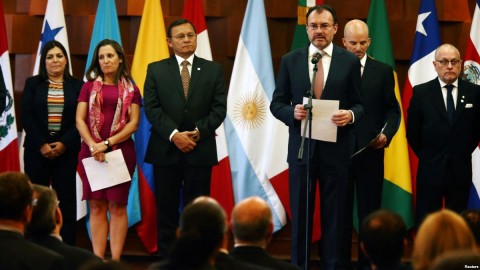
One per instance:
(106, 174)
(323, 128)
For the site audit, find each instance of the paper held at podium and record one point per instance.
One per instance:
(323, 128)
(106, 174)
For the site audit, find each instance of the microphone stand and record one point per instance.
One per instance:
(308, 123)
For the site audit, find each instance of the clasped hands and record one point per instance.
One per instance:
(186, 141)
(53, 150)
(340, 118)
(98, 151)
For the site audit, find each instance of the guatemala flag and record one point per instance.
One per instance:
(472, 73)
(256, 140)
(427, 39)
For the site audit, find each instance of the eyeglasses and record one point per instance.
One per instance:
(445, 63)
(182, 36)
(323, 26)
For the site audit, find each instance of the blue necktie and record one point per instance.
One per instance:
(450, 104)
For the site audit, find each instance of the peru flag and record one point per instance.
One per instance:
(427, 39)
(8, 125)
(221, 185)
(472, 74)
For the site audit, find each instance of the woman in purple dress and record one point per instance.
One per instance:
(108, 113)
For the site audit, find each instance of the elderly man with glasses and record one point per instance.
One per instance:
(443, 130)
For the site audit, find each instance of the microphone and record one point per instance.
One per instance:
(316, 57)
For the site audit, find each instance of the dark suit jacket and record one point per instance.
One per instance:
(258, 256)
(435, 141)
(167, 109)
(343, 84)
(381, 106)
(225, 261)
(16, 253)
(35, 114)
(75, 257)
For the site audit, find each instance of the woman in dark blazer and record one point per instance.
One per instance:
(52, 141)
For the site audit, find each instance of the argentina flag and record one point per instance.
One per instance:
(257, 142)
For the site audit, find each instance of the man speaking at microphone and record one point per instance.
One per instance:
(337, 78)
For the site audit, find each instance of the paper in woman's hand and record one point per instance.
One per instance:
(111, 172)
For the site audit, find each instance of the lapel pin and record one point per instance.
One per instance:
(198, 68)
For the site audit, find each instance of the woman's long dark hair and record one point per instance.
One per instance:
(43, 56)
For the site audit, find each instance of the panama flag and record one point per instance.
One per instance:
(221, 185)
(256, 140)
(8, 126)
(427, 39)
(151, 46)
(106, 26)
(472, 73)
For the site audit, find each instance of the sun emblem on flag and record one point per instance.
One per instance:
(471, 72)
(250, 111)
(6, 119)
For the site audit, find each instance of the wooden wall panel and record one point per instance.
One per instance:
(24, 20)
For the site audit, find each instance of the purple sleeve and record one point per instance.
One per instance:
(137, 97)
(85, 92)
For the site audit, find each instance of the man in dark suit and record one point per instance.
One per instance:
(443, 130)
(329, 160)
(16, 253)
(45, 225)
(252, 227)
(185, 101)
(373, 132)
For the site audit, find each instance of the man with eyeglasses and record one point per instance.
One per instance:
(443, 129)
(185, 101)
(338, 79)
(374, 131)
(16, 203)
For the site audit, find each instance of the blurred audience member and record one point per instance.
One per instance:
(252, 225)
(463, 259)
(439, 233)
(201, 234)
(44, 228)
(16, 253)
(472, 217)
(383, 240)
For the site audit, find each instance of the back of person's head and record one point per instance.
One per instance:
(43, 220)
(15, 195)
(202, 229)
(383, 236)
(252, 221)
(472, 217)
(440, 232)
(462, 259)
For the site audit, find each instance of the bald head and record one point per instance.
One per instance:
(356, 38)
(252, 221)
